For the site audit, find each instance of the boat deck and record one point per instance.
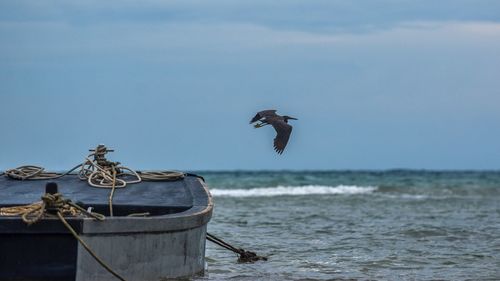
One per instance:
(155, 197)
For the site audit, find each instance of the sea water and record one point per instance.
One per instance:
(356, 225)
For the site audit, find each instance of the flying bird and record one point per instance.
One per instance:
(280, 124)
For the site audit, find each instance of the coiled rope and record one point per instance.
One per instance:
(32, 172)
(98, 172)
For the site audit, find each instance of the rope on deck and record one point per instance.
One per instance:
(32, 172)
(161, 175)
(99, 172)
(244, 256)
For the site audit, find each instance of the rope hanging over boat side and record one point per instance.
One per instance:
(34, 212)
(54, 204)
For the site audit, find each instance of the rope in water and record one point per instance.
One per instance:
(244, 256)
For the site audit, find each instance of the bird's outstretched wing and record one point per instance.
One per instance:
(262, 114)
(283, 131)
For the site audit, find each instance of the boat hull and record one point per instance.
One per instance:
(144, 257)
(149, 248)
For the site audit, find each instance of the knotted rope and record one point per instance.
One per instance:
(34, 212)
(103, 173)
(100, 172)
(56, 205)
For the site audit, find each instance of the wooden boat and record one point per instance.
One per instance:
(167, 243)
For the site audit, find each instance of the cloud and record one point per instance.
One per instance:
(312, 16)
(196, 29)
(24, 40)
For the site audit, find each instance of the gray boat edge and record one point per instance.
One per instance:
(148, 249)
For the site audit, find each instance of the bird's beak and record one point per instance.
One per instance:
(293, 118)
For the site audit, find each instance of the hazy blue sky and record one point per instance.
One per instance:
(172, 84)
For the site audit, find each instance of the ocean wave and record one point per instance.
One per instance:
(293, 190)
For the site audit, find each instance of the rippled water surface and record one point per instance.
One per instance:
(396, 225)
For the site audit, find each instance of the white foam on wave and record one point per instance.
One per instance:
(293, 190)
(407, 196)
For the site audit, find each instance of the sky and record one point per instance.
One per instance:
(375, 84)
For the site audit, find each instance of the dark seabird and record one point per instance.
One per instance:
(280, 124)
